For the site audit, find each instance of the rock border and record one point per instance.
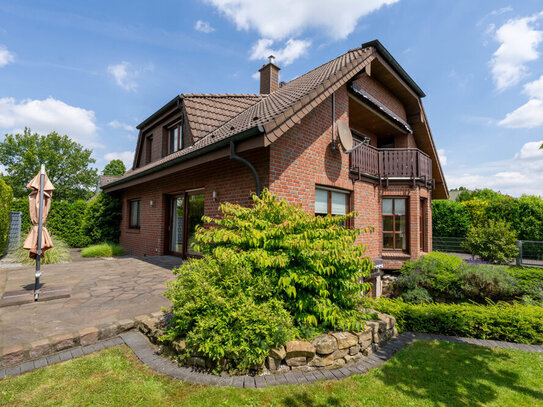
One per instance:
(329, 351)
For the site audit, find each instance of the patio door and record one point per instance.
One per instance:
(186, 211)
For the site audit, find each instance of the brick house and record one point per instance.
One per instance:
(200, 150)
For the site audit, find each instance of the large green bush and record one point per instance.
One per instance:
(493, 241)
(529, 283)
(80, 223)
(500, 321)
(6, 198)
(446, 278)
(268, 272)
(449, 219)
(102, 221)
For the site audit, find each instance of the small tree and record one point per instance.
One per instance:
(115, 168)
(6, 198)
(493, 241)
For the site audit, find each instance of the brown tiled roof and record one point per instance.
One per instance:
(276, 112)
(106, 179)
(206, 113)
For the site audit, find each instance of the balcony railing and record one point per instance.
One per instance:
(392, 163)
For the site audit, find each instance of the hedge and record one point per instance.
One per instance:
(499, 321)
(6, 198)
(80, 223)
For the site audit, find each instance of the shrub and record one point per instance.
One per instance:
(102, 219)
(269, 273)
(449, 219)
(227, 313)
(493, 241)
(444, 277)
(65, 220)
(6, 198)
(103, 250)
(529, 283)
(59, 253)
(500, 321)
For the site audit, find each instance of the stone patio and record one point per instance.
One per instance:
(102, 292)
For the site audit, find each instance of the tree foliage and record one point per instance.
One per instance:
(115, 168)
(102, 221)
(67, 164)
(6, 198)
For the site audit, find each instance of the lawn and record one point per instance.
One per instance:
(427, 373)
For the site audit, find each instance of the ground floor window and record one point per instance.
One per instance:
(394, 214)
(422, 221)
(135, 213)
(330, 201)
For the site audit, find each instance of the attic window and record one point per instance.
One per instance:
(175, 138)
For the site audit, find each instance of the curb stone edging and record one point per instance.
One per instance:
(16, 354)
(146, 353)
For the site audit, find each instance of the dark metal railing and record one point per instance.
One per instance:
(391, 162)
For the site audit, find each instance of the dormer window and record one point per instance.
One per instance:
(175, 138)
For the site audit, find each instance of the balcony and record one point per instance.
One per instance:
(392, 164)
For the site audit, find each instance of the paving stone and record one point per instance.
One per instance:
(237, 381)
(226, 381)
(88, 336)
(76, 352)
(40, 363)
(2, 373)
(64, 356)
(13, 370)
(249, 382)
(53, 359)
(291, 378)
(270, 379)
(39, 348)
(328, 374)
(319, 375)
(27, 367)
(62, 341)
(260, 382)
(12, 355)
(281, 379)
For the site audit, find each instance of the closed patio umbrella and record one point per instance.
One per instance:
(38, 239)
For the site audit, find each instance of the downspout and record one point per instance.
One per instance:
(333, 120)
(234, 156)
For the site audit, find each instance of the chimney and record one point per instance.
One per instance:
(269, 77)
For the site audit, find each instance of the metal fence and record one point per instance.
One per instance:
(530, 253)
(448, 244)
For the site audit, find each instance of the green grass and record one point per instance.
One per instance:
(427, 373)
(103, 250)
(59, 253)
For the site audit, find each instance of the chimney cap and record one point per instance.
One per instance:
(271, 58)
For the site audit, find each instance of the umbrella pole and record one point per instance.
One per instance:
(40, 225)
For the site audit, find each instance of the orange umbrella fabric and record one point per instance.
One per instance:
(31, 241)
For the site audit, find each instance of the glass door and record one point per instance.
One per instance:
(177, 217)
(186, 211)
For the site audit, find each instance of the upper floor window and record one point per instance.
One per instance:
(331, 202)
(148, 149)
(175, 138)
(394, 223)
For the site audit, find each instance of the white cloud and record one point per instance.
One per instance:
(45, 116)
(282, 19)
(527, 116)
(442, 156)
(124, 75)
(518, 45)
(203, 26)
(292, 50)
(256, 76)
(534, 89)
(6, 57)
(119, 125)
(127, 157)
(522, 174)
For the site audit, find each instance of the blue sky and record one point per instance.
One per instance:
(94, 70)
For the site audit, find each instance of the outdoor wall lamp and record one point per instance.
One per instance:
(215, 196)
(151, 203)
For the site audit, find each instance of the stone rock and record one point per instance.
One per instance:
(322, 361)
(272, 363)
(353, 350)
(325, 344)
(304, 368)
(299, 348)
(278, 353)
(12, 355)
(337, 364)
(365, 344)
(296, 361)
(338, 354)
(179, 345)
(283, 369)
(365, 335)
(345, 339)
(88, 336)
(39, 348)
(368, 351)
(353, 358)
(374, 325)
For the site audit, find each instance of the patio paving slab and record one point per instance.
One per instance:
(102, 292)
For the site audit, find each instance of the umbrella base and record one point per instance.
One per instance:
(46, 293)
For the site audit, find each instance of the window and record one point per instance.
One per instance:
(328, 201)
(148, 149)
(175, 138)
(135, 213)
(394, 223)
(422, 217)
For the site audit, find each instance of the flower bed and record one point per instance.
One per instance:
(326, 351)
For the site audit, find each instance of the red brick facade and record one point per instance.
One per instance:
(291, 167)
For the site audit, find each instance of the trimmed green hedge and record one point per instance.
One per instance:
(500, 321)
(6, 198)
(79, 224)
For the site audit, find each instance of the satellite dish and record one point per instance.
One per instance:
(345, 135)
